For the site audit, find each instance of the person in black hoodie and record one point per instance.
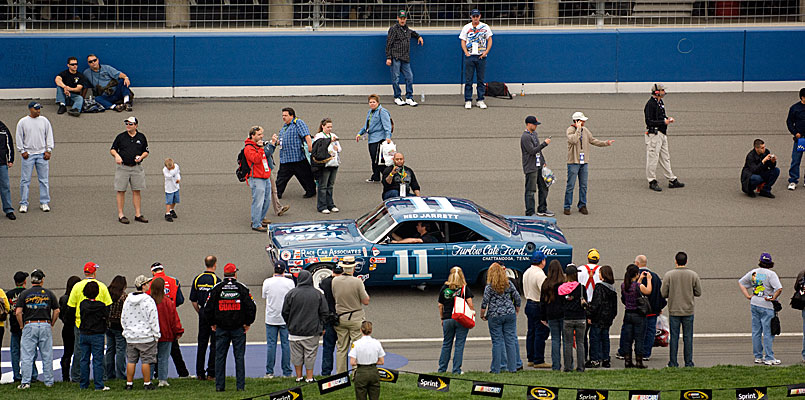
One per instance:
(305, 311)
(67, 334)
(602, 311)
(6, 161)
(94, 319)
(554, 312)
(760, 171)
(574, 305)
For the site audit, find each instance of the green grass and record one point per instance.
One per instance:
(670, 381)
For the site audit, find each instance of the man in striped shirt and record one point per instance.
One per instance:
(398, 57)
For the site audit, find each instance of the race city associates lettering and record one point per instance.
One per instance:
(432, 382)
(289, 394)
(488, 389)
(542, 393)
(796, 390)
(388, 375)
(752, 393)
(333, 383)
(592, 394)
(644, 395)
(697, 394)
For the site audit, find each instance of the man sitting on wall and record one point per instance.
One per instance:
(110, 86)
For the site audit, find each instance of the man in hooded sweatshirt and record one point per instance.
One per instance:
(141, 329)
(305, 311)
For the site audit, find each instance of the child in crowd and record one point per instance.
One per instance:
(575, 324)
(602, 311)
(94, 315)
(172, 178)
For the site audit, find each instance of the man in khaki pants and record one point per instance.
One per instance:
(656, 142)
(350, 297)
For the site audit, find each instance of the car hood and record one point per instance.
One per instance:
(537, 229)
(314, 234)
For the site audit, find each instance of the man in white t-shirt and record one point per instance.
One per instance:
(274, 290)
(761, 287)
(476, 41)
(366, 354)
(538, 332)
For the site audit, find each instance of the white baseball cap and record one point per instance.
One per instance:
(578, 115)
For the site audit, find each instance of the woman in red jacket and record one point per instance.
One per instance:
(169, 325)
(259, 178)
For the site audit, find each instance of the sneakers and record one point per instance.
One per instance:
(606, 364)
(411, 102)
(399, 101)
(619, 356)
(120, 107)
(325, 211)
(653, 185)
(74, 112)
(773, 361)
(766, 194)
(173, 214)
(265, 222)
(128, 107)
(334, 209)
(44, 207)
(370, 180)
(62, 109)
(129, 387)
(105, 389)
(123, 220)
(283, 210)
(24, 386)
(149, 386)
(675, 184)
(592, 364)
(300, 379)
(468, 105)
(269, 376)
(758, 361)
(168, 217)
(11, 216)
(792, 186)
(23, 208)
(163, 384)
(542, 365)
(311, 380)
(261, 229)
(481, 105)
(545, 213)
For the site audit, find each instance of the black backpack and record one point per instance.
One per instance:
(498, 89)
(244, 170)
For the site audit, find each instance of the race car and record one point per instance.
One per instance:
(463, 233)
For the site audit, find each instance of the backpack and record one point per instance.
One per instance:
(320, 155)
(244, 170)
(498, 89)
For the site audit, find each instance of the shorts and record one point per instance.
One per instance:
(303, 352)
(147, 352)
(172, 198)
(129, 175)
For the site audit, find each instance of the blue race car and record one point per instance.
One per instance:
(385, 246)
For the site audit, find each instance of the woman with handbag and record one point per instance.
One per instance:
(634, 319)
(453, 291)
(554, 312)
(326, 179)
(378, 126)
(500, 306)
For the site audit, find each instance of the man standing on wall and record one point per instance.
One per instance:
(656, 142)
(796, 125)
(476, 41)
(398, 57)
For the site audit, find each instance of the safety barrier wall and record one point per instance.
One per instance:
(283, 63)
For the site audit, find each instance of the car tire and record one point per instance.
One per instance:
(319, 272)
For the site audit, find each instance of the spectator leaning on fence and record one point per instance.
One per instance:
(398, 57)
(109, 85)
(69, 84)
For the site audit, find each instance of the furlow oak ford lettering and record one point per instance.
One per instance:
(489, 250)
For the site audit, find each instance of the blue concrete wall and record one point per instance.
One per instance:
(357, 58)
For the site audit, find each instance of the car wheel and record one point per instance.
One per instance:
(319, 272)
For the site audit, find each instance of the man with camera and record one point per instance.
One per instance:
(760, 171)
(399, 180)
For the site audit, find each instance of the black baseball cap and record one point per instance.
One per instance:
(20, 277)
(280, 266)
(37, 275)
(532, 120)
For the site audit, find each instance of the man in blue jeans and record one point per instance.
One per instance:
(398, 57)
(579, 139)
(35, 144)
(476, 41)
(680, 286)
(69, 85)
(796, 125)
(274, 290)
(330, 336)
(6, 161)
(16, 330)
(37, 310)
(107, 93)
(761, 286)
(657, 304)
(538, 332)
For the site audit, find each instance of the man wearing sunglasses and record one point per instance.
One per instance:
(109, 85)
(69, 84)
(129, 149)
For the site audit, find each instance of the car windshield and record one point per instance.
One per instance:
(494, 221)
(374, 224)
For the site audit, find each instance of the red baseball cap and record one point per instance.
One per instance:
(90, 267)
(230, 269)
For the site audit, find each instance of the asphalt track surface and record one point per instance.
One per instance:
(456, 152)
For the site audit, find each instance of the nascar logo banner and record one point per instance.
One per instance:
(432, 382)
(333, 383)
(489, 389)
(592, 394)
(644, 395)
(703, 394)
(388, 375)
(542, 393)
(753, 393)
(796, 390)
(289, 394)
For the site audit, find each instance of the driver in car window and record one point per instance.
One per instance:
(426, 231)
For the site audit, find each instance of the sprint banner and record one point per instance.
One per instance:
(696, 394)
(388, 375)
(333, 383)
(796, 390)
(543, 393)
(644, 395)
(433, 382)
(288, 394)
(489, 389)
(753, 393)
(592, 394)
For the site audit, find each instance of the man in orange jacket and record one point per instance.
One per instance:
(174, 291)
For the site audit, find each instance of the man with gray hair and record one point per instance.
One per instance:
(350, 297)
(37, 310)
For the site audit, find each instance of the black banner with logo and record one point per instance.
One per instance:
(388, 375)
(333, 383)
(592, 394)
(796, 390)
(543, 393)
(433, 382)
(489, 389)
(644, 395)
(288, 394)
(752, 393)
(696, 394)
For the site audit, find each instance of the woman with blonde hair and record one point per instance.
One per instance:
(455, 286)
(500, 306)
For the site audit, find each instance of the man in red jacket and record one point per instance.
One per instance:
(259, 177)
(173, 289)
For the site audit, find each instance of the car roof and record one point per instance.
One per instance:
(434, 207)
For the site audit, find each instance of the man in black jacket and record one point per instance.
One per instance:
(533, 162)
(305, 312)
(760, 171)
(656, 142)
(6, 162)
(330, 337)
(230, 310)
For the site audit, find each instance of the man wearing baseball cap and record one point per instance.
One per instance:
(35, 144)
(16, 330)
(274, 290)
(76, 297)
(330, 336)
(350, 297)
(761, 287)
(533, 278)
(579, 139)
(533, 162)
(476, 41)
(231, 311)
(398, 57)
(129, 150)
(140, 321)
(657, 122)
(37, 310)
(174, 291)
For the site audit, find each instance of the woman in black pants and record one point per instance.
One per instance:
(67, 334)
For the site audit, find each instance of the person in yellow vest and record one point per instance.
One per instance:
(76, 297)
